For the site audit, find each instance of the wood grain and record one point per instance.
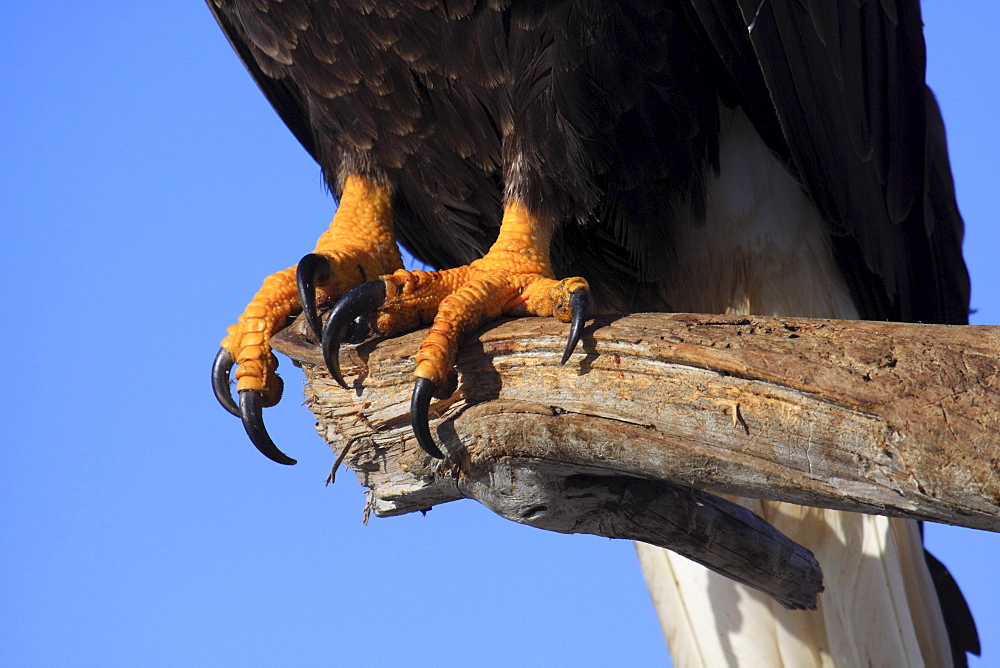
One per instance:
(895, 419)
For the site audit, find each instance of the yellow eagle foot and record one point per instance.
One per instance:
(358, 245)
(513, 278)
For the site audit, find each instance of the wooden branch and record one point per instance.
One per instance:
(887, 418)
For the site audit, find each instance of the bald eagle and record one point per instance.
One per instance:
(552, 157)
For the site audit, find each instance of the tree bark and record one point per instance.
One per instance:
(656, 411)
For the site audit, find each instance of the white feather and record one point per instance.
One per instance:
(763, 249)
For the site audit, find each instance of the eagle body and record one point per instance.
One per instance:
(461, 105)
(779, 158)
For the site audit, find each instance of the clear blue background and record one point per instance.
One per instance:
(145, 189)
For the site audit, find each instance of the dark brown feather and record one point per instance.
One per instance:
(846, 82)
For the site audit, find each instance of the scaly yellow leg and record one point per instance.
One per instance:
(514, 278)
(359, 245)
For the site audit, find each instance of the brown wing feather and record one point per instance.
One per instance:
(845, 81)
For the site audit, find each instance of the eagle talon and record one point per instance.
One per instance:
(312, 270)
(253, 421)
(580, 304)
(221, 367)
(423, 390)
(357, 302)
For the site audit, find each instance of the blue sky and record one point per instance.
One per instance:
(142, 180)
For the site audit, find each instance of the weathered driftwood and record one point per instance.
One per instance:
(656, 410)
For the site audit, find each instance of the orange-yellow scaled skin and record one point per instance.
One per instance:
(514, 278)
(360, 246)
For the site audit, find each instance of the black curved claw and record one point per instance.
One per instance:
(362, 299)
(312, 270)
(253, 422)
(580, 303)
(423, 390)
(221, 367)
